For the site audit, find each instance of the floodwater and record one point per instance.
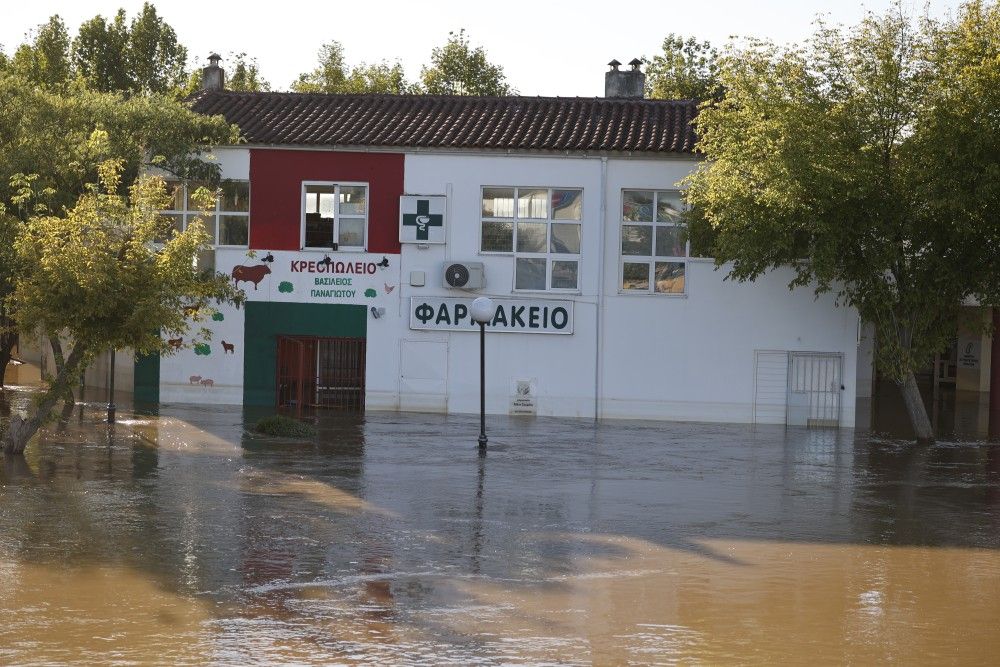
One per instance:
(178, 539)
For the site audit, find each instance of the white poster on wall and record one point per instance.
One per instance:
(523, 396)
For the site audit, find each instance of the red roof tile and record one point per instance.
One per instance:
(431, 121)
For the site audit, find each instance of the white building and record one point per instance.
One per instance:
(569, 205)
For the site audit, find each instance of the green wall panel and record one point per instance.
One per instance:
(266, 320)
(146, 380)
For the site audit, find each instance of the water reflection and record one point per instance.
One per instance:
(180, 538)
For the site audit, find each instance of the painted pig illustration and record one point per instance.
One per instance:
(250, 274)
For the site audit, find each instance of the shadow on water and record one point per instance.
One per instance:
(390, 530)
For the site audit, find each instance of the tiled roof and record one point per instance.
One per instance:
(433, 121)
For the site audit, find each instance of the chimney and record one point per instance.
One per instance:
(628, 84)
(213, 77)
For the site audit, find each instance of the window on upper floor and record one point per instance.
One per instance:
(541, 228)
(334, 215)
(228, 224)
(653, 248)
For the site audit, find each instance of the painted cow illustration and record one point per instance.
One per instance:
(250, 274)
(175, 342)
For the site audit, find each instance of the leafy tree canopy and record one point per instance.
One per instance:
(458, 69)
(684, 69)
(868, 160)
(93, 275)
(332, 75)
(137, 57)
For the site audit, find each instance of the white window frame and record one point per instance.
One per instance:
(185, 212)
(548, 221)
(336, 215)
(651, 259)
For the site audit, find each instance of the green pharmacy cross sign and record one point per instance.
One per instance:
(421, 219)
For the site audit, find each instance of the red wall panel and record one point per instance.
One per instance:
(276, 193)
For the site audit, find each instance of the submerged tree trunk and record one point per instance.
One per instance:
(20, 430)
(922, 428)
(7, 343)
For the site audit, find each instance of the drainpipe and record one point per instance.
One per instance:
(995, 376)
(599, 343)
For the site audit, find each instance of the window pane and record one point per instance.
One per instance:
(637, 240)
(234, 229)
(669, 241)
(669, 207)
(352, 232)
(207, 223)
(564, 275)
(531, 237)
(637, 206)
(235, 196)
(565, 239)
(533, 203)
(352, 200)
(326, 201)
(498, 202)
(192, 190)
(498, 237)
(319, 232)
(170, 223)
(670, 277)
(175, 190)
(529, 273)
(635, 275)
(567, 204)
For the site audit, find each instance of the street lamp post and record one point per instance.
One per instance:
(111, 390)
(482, 311)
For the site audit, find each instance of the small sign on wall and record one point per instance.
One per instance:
(969, 352)
(422, 218)
(523, 397)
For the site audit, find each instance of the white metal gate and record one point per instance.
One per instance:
(814, 388)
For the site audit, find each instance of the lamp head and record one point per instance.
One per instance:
(482, 310)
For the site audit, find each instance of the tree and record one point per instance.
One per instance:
(47, 158)
(92, 279)
(332, 75)
(869, 162)
(45, 60)
(155, 59)
(100, 54)
(246, 75)
(458, 69)
(685, 69)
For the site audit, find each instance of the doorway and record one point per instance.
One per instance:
(315, 372)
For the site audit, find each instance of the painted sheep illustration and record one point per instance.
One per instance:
(228, 348)
(250, 274)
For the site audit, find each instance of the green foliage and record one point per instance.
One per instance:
(101, 52)
(332, 75)
(370, 293)
(246, 75)
(458, 69)
(286, 287)
(284, 427)
(94, 275)
(45, 60)
(218, 317)
(202, 349)
(684, 69)
(155, 59)
(867, 160)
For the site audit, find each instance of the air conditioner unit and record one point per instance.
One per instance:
(464, 275)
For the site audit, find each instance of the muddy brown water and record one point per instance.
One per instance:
(177, 539)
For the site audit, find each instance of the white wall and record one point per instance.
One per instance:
(563, 366)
